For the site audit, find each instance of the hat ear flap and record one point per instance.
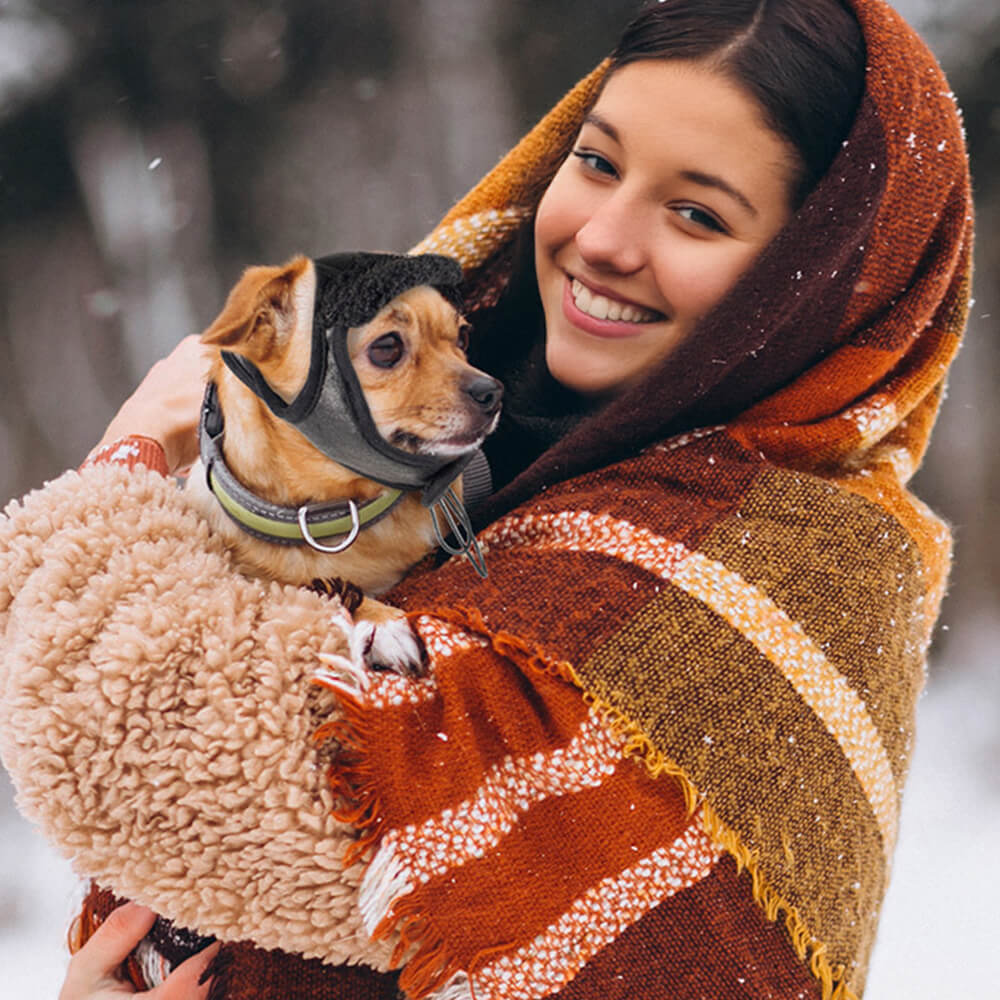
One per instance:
(260, 313)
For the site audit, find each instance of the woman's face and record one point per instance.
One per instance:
(673, 188)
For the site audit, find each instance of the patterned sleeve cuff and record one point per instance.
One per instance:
(130, 451)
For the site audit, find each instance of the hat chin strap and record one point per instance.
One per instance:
(271, 522)
(309, 523)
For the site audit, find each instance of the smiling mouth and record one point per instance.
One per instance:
(602, 307)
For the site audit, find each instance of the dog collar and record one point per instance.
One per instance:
(309, 524)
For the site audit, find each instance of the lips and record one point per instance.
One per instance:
(594, 312)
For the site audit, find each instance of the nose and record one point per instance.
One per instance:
(611, 237)
(485, 392)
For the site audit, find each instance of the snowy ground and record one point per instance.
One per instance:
(936, 939)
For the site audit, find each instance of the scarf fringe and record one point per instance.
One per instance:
(428, 969)
(348, 777)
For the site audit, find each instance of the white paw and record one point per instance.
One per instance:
(391, 645)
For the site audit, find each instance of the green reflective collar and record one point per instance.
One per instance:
(275, 523)
(271, 522)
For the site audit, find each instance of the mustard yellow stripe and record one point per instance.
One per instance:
(748, 610)
(820, 685)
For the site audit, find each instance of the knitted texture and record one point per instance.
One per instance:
(355, 286)
(774, 584)
(661, 749)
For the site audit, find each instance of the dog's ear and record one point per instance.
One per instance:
(260, 313)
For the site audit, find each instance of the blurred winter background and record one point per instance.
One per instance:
(149, 150)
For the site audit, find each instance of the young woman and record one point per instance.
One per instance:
(661, 748)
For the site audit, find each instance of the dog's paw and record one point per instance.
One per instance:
(392, 645)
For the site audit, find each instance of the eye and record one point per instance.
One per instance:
(387, 351)
(595, 162)
(701, 218)
(462, 340)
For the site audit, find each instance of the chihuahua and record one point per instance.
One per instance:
(418, 402)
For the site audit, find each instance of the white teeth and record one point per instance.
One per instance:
(601, 307)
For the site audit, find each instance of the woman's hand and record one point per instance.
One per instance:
(167, 404)
(91, 972)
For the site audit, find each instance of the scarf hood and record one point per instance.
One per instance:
(835, 344)
(661, 750)
(748, 588)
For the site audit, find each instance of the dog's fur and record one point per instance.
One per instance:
(425, 403)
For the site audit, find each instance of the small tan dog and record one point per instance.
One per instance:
(425, 410)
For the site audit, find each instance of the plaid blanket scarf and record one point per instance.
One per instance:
(660, 750)
(745, 607)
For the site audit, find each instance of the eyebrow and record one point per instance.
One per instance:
(592, 118)
(695, 176)
(710, 180)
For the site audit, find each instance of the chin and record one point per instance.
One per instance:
(588, 377)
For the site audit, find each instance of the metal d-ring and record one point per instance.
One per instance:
(318, 546)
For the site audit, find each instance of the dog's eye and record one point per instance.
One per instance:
(463, 336)
(387, 351)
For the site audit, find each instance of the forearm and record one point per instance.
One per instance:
(156, 714)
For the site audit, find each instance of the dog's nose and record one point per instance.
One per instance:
(487, 392)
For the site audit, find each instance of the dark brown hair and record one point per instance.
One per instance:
(803, 61)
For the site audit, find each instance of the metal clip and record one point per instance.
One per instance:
(461, 527)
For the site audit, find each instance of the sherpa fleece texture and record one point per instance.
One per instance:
(189, 820)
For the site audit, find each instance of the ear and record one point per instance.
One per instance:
(260, 314)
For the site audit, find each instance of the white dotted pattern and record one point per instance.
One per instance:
(683, 440)
(120, 452)
(477, 825)
(597, 918)
(472, 238)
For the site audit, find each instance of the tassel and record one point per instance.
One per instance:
(385, 881)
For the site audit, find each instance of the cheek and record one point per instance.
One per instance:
(559, 215)
(695, 279)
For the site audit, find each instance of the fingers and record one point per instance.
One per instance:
(184, 983)
(93, 966)
(91, 972)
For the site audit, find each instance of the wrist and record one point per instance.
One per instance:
(175, 443)
(130, 450)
